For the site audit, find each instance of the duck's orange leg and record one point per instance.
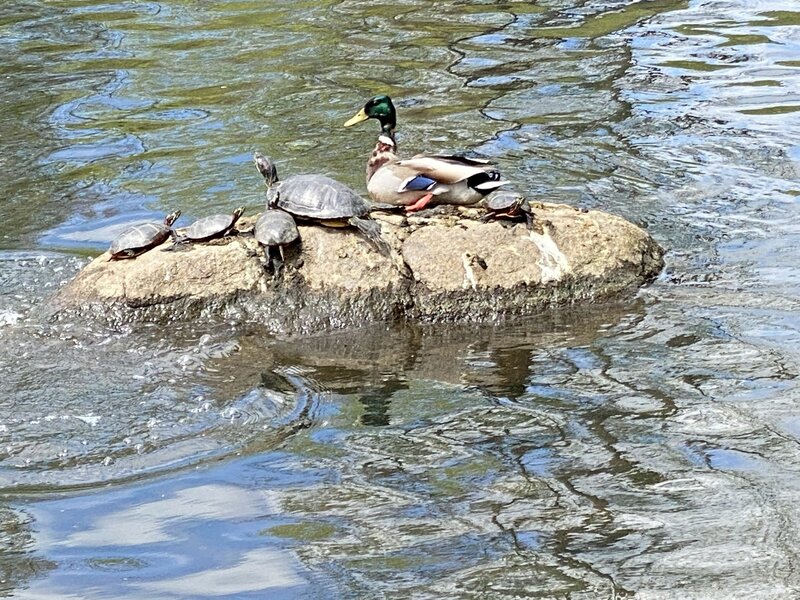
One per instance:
(420, 204)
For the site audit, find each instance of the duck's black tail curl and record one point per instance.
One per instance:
(486, 182)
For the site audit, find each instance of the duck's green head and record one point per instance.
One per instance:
(379, 107)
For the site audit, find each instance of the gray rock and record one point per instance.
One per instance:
(444, 267)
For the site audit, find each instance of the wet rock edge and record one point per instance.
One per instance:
(342, 282)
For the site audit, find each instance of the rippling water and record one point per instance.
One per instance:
(648, 449)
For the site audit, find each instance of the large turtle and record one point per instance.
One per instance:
(211, 227)
(320, 199)
(141, 238)
(275, 228)
(507, 205)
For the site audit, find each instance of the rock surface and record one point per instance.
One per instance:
(445, 265)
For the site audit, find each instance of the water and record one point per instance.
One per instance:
(647, 449)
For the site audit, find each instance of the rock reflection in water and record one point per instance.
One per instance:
(446, 463)
(18, 564)
(499, 359)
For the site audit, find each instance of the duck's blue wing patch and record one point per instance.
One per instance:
(417, 183)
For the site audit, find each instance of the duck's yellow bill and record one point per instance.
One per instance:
(361, 116)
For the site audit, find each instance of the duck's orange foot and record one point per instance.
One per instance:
(420, 204)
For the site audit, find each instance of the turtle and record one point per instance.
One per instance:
(141, 238)
(508, 205)
(320, 199)
(275, 228)
(210, 228)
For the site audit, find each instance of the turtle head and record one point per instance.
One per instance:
(379, 107)
(171, 218)
(266, 167)
(238, 212)
(273, 195)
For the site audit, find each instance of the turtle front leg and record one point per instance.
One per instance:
(178, 243)
(529, 220)
(372, 232)
(280, 266)
(269, 266)
(275, 264)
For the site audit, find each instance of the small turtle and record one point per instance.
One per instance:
(275, 228)
(322, 200)
(210, 228)
(507, 205)
(141, 238)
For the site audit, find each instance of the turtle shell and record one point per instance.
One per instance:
(275, 227)
(140, 238)
(207, 227)
(211, 226)
(319, 197)
(505, 200)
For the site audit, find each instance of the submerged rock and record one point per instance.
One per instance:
(444, 266)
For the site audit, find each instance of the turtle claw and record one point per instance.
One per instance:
(372, 232)
(179, 244)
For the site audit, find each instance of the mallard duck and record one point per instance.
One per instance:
(425, 178)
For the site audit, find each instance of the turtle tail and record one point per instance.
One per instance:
(372, 231)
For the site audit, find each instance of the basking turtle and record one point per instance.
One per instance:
(322, 200)
(210, 228)
(141, 238)
(508, 205)
(275, 228)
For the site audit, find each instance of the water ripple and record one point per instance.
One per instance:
(611, 451)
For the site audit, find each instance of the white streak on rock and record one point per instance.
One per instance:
(552, 261)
